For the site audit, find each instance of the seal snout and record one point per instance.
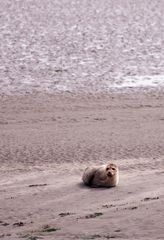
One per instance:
(110, 174)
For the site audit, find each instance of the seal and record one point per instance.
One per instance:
(101, 176)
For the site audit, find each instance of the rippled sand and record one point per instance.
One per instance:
(46, 142)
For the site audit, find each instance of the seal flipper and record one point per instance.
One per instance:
(90, 180)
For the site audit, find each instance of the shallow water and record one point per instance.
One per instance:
(88, 46)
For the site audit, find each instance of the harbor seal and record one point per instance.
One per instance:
(101, 176)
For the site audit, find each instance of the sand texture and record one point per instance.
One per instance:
(73, 45)
(77, 51)
(45, 144)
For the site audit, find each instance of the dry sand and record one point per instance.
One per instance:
(45, 144)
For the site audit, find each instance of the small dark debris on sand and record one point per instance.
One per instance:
(108, 206)
(150, 198)
(38, 234)
(132, 208)
(18, 224)
(100, 119)
(38, 185)
(48, 228)
(93, 215)
(4, 224)
(65, 214)
(33, 238)
(30, 237)
(97, 236)
(6, 235)
(94, 236)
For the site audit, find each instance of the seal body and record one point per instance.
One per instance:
(101, 176)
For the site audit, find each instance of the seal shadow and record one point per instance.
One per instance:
(83, 186)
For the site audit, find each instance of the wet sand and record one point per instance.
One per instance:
(89, 46)
(46, 141)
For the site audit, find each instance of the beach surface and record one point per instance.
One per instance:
(81, 83)
(46, 141)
